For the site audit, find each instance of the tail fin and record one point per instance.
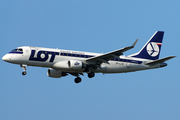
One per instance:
(152, 48)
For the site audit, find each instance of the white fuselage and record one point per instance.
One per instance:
(46, 57)
(67, 62)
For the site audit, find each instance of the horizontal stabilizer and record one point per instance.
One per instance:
(160, 60)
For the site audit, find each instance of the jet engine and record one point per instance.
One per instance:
(70, 65)
(75, 65)
(55, 73)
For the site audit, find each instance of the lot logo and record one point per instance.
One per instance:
(42, 56)
(153, 49)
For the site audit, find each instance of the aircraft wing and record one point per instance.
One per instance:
(160, 60)
(108, 56)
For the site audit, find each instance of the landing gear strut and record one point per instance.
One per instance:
(24, 68)
(77, 80)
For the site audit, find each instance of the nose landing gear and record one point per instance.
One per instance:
(24, 68)
(24, 73)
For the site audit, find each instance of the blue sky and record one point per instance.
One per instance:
(94, 26)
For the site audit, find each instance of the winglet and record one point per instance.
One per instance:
(133, 45)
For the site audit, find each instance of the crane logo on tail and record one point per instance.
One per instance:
(153, 49)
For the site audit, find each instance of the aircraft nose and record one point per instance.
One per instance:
(6, 57)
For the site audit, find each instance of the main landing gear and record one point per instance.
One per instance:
(78, 79)
(91, 74)
(24, 68)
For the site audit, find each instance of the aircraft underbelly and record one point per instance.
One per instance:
(122, 67)
(116, 67)
(40, 64)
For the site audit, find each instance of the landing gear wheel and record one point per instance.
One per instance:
(77, 80)
(24, 68)
(91, 74)
(24, 73)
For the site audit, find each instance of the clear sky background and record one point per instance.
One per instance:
(95, 26)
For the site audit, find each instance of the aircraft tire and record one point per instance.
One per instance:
(91, 74)
(77, 80)
(24, 73)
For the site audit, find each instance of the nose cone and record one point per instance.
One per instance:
(6, 58)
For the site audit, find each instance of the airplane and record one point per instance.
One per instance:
(61, 63)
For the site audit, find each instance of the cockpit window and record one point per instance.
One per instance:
(19, 49)
(14, 50)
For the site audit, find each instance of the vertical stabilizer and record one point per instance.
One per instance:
(152, 48)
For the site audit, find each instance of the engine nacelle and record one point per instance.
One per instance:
(55, 73)
(70, 65)
(75, 65)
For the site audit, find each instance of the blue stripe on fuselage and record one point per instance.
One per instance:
(89, 56)
(46, 53)
(16, 52)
